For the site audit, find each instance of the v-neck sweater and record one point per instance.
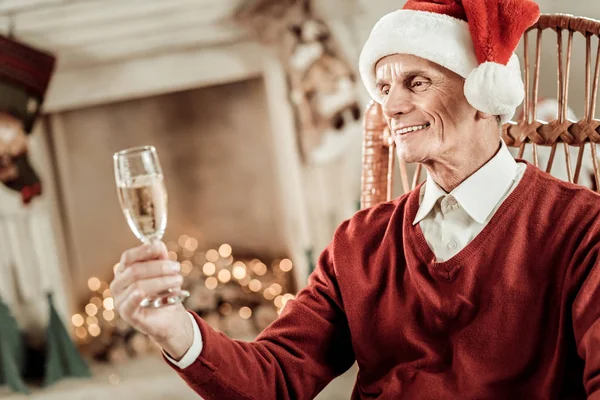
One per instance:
(514, 315)
(416, 238)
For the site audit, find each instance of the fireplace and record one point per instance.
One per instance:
(225, 133)
(186, 78)
(219, 165)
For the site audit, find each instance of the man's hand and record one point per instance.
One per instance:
(146, 271)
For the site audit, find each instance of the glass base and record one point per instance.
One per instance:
(168, 298)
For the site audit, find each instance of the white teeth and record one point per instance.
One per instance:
(410, 129)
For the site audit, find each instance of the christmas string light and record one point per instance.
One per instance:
(214, 270)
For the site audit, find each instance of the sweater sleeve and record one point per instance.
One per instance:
(586, 322)
(294, 358)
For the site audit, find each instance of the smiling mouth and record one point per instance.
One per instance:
(409, 129)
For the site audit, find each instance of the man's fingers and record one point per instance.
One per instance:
(145, 252)
(152, 287)
(143, 271)
(129, 303)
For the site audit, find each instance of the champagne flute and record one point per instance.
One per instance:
(143, 199)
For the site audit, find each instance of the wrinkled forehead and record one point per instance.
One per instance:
(396, 65)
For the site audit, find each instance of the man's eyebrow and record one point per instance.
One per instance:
(415, 72)
(381, 83)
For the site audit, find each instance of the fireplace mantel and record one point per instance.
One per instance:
(154, 75)
(112, 50)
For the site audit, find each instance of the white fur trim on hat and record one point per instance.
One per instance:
(443, 40)
(495, 88)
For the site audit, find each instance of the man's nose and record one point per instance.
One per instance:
(397, 103)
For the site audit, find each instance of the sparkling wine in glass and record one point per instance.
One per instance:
(143, 199)
(144, 203)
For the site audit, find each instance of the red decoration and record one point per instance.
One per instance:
(496, 26)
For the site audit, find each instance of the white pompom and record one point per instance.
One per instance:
(495, 88)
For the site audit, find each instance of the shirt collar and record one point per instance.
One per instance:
(430, 194)
(480, 193)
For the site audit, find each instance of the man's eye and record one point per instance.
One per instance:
(419, 85)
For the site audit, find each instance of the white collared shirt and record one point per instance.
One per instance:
(449, 221)
(193, 352)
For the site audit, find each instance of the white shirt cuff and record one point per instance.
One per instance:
(194, 351)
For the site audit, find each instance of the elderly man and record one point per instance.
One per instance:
(483, 283)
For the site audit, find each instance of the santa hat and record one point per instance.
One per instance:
(474, 38)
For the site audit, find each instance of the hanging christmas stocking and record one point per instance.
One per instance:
(12, 351)
(62, 358)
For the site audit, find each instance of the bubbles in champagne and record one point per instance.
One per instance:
(144, 203)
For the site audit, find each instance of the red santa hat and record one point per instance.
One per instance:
(474, 38)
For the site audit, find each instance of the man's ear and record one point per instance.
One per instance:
(484, 115)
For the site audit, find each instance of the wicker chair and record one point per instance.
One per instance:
(526, 134)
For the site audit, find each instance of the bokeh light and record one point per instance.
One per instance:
(286, 265)
(224, 275)
(209, 269)
(245, 312)
(91, 309)
(77, 320)
(94, 283)
(211, 283)
(94, 330)
(109, 303)
(255, 285)
(212, 255)
(225, 250)
(239, 271)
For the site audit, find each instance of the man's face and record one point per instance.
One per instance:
(425, 107)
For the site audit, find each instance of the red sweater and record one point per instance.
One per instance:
(514, 315)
